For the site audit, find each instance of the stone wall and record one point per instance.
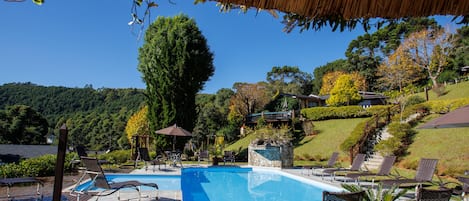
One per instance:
(279, 156)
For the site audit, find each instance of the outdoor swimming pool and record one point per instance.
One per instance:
(214, 184)
(229, 184)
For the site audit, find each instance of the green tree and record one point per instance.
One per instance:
(175, 62)
(20, 124)
(458, 55)
(367, 51)
(319, 72)
(344, 92)
(289, 79)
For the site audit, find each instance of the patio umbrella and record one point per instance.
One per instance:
(453, 119)
(175, 131)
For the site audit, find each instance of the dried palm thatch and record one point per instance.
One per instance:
(355, 9)
(347, 14)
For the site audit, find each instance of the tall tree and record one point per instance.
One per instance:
(329, 80)
(344, 92)
(459, 54)
(249, 98)
(289, 79)
(319, 72)
(398, 71)
(429, 49)
(20, 124)
(138, 124)
(175, 62)
(367, 51)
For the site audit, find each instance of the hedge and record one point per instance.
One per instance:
(34, 167)
(325, 113)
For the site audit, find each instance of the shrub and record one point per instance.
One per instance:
(399, 130)
(396, 145)
(117, 156)
(388, 146)
(11, 170)
(324, 113)
(439, 90)
(379, 109)
(414, 100)
(355, 136)
(40, 166)
(35, 167)
(444, 106)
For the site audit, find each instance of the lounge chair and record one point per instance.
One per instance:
(356, 165)
(228, 156)
(424, 194)
(384, 170)
(145, 157)
(98, 179)
(343, 196)
(424, 174)
(463, 189)
(330, 163)
(82, 152)
(9, 182)
(203, 155)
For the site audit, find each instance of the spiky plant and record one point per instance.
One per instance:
(391, 194)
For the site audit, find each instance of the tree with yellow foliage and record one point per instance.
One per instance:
(138, 124)
(330, 78)
(398, 71)
(429, 49)
(344, 92)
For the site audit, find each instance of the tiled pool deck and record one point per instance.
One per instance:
(167, 195)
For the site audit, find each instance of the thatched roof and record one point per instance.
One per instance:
(355, 9)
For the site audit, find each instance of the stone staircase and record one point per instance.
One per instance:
(375, 159)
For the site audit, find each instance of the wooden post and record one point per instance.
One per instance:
(59, 165)
(426, 93)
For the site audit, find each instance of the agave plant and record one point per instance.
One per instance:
(379, 194)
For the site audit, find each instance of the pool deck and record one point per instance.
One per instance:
(167, 195)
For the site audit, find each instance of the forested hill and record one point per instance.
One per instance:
(83, 109)
(54, 102)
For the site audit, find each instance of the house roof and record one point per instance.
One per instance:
(355, 9)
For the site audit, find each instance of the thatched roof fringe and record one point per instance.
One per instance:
(356, 9)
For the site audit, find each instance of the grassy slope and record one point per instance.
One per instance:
(241, 144)
(331, 134)
(460, 90)
(449, 145)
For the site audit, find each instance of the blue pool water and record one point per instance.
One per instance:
(165, 182)
(226, 184)
(230, 184)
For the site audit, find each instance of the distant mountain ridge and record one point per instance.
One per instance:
(54, 102)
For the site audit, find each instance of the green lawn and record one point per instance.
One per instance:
(454, 91)
(331, 134)
(449, 145)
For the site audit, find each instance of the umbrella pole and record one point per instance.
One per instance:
(174, 143)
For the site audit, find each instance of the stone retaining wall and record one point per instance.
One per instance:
(279, 156)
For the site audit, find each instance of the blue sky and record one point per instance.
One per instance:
(74, 43)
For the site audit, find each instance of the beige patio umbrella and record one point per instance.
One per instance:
(174, 131)
(453, 119)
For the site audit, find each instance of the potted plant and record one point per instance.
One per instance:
(216, 154)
